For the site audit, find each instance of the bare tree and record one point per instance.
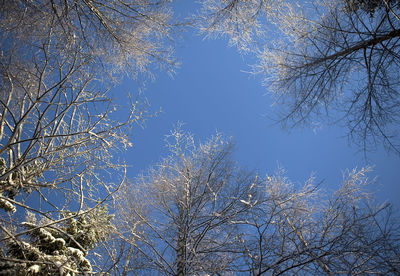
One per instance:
(308, 232)
(323, 56)
(195, 213)
(116, 34)
(177, 216)
(58, 135)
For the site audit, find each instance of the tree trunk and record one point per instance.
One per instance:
(180, 254)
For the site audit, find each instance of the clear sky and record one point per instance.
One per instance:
(211, 92)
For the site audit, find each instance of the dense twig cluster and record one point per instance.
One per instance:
(197, 213)
(335, 58)
(58, 135)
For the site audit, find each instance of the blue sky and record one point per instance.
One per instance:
(211, 92)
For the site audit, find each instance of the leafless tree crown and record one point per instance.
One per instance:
(336, 58)
(196, 213)
(177, 216)
(58, 134)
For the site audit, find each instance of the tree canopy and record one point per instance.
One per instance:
(59, 141)
(336, 58)
(66, 207)
(196, 212)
